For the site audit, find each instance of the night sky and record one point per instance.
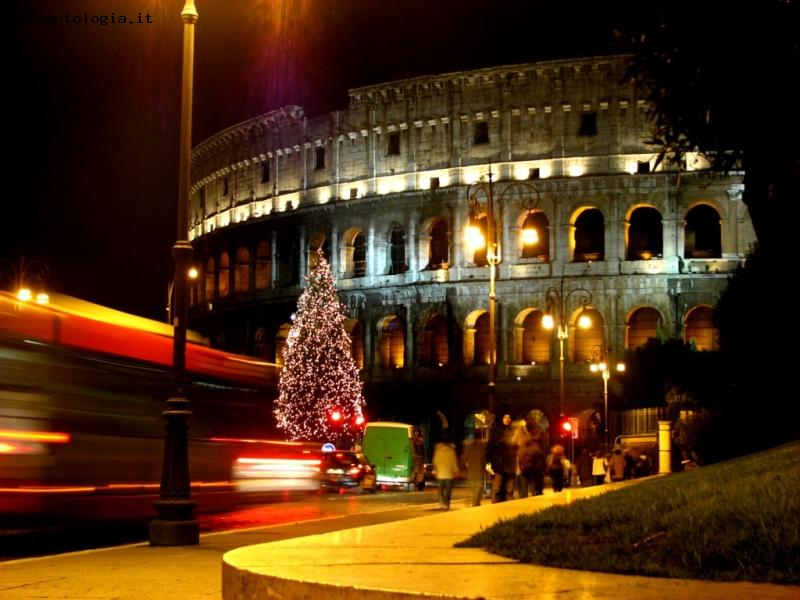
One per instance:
(95, 109)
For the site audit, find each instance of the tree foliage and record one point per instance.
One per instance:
(721, 80)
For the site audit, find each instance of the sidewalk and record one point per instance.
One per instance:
(416, 558)
(141, 572)
(374, 556)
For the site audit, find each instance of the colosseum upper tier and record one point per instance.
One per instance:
(587, 223)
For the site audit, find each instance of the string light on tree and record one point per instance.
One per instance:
(319, 376)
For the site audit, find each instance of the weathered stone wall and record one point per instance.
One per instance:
(564, 138)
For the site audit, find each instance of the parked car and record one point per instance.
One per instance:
(340, 469)
(398, 451)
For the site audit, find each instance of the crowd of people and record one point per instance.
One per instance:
(516, 460)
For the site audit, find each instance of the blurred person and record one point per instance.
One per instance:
(503, 461)
(445, 464)
(616, 466)
(530, 459)
(473, 463)
(642, 467)
(556, 467)
(567, 464)
(599, 466)
(584, 465)
(630, 463)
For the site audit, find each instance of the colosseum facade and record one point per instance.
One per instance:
(388, 187)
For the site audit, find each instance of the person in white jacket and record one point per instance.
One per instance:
(599, 466)
(445, 464)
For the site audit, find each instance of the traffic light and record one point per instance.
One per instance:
(336, 417)
(360, 421)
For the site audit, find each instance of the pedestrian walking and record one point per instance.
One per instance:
(504, 462)
(531, 459)
(616, 467)
(445, 464)
(584, 464)
(473, 462)
(599, 467)
(556, 467)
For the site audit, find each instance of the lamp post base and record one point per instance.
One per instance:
(175, 525)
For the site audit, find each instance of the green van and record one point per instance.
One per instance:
(398, 453)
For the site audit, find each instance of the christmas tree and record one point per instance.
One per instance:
(320, 393)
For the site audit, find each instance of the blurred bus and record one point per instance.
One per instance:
(82, 389)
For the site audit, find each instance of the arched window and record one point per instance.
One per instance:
(355, 253)
(263, 265)
(288, 256)
(699, 329)
(224, 277)
(391, 343)
(540, 247)
(589, 236)
(587, 344)
(645, 234)
(702, 233)
(439, 246)
(482, 350)
(209, 279)
(241, 274)
(280, 342)
(531, 339)
(643, 324)
(397, 251)
(353, 328)
(261, 343)
(194, 292)
(434, 350)
(359, 255)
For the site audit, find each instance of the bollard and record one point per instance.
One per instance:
(664, 447)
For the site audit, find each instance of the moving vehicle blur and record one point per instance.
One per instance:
(340, 469)
(82, 389)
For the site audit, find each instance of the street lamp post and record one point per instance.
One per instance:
(192, 274)
(176, 525)
(555, 301)
(605, 372)
(493, 259)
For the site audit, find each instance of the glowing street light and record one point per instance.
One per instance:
(605, 371)
(556, 301)
(176, 525)
(475, 241)
(192, 274)
(25, 278)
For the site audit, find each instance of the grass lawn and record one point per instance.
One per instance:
(737, 520)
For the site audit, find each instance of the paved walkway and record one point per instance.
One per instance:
(374, 556)
(416, 558)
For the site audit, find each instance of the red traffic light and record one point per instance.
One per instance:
(336, 416)
(360, 420)
(566, 427)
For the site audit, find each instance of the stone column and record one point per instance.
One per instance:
(730, 241)
(409, 351)
(334, 250)
(303, 269)
(273, 248)
(671, 224)
(371, 249)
